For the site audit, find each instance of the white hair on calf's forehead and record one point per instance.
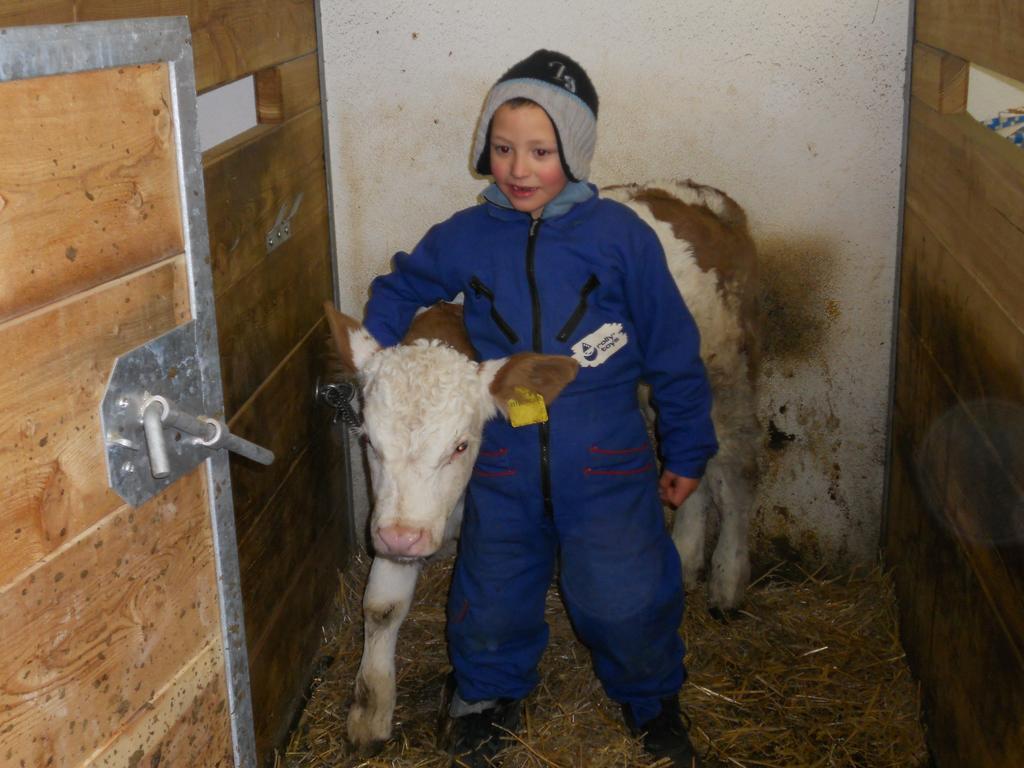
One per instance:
(423, 388)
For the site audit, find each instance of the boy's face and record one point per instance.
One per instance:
(524, 157)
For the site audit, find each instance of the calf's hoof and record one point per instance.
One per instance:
(724, 616)
(367, 731)
(727, 585)
(365, 747)
(367, 751)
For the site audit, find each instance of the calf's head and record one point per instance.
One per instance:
(424, 409)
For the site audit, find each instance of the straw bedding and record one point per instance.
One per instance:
(809, 673)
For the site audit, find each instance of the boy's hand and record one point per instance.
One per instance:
(674, 489)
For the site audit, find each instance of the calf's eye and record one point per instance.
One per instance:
(461, 447)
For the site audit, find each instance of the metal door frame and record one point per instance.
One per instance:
(37, 51)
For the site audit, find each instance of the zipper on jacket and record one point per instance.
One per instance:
(581, 309)
(482, 290)
(545, 429)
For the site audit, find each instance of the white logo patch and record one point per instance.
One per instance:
(592, 350)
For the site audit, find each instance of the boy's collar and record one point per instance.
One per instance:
(574, 192)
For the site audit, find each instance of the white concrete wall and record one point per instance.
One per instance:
(794, 107)
(989, 93)
(226, 111)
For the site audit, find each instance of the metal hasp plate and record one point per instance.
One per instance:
(151, 436)
(167, 366)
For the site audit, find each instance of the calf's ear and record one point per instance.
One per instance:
(353, 344)
(546, 375)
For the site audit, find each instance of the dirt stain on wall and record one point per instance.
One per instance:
(798, 312)
(796, 278)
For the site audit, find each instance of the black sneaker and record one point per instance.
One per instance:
(479, 736)
(667, 735)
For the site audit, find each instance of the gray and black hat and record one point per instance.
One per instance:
(561, 87)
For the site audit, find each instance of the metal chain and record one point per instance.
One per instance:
(339, 396)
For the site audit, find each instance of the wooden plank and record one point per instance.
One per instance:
(939, 79)
(975, 342)
(284, 534)
(230, 38)
(299, 539)
(248, 185)
(281, 538)
(267, 303)
(305, 519)
(52, 479)
(975, 696)
(16, 13)
(906, 557)
(967, 185)
(282, 659)
(271, 311)
(986, 32)
(282, 416)
(284, 91)
(93, 632)
(185, 725)
(910, 523)
(971, 450)
(954, 632)
(84, 205)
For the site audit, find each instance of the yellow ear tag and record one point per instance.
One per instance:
(527, 408)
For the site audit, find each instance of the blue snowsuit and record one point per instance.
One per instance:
(582, 488)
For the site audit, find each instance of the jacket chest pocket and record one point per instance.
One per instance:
(481, 290)
(581, 309)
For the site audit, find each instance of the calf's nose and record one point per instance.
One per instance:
(402, 540)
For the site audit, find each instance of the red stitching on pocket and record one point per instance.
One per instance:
(638, 449)
(484, 473)
(592, 471)
(494, 454)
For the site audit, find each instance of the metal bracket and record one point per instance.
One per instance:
(151, 437)
(282, 229)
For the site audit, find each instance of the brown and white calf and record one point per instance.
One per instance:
(425, 403)
(714, 262)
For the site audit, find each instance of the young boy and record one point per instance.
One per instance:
(547, 266)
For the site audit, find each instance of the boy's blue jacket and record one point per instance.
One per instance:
(544, 285)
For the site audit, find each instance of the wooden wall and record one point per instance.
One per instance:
(289, 516)
(955, 519)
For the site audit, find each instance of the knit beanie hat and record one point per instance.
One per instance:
(561, 87)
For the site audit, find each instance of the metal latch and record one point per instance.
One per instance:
(207, 432)
(152, 437)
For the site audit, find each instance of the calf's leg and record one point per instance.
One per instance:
(733, 492)
(389, 592)
(688, 531)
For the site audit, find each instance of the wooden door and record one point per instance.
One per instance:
(291, 518)
(955, 521)
(121, 628)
